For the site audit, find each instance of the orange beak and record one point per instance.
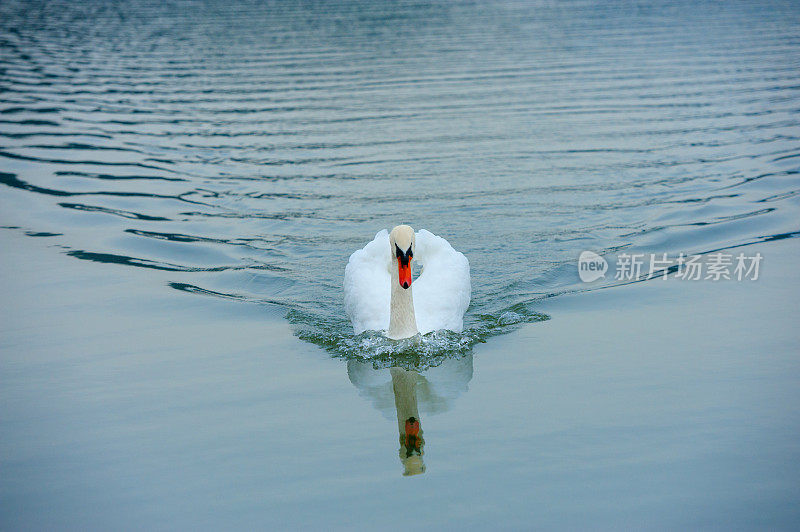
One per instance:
(405, 273)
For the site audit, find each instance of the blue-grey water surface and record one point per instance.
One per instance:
(192, 176)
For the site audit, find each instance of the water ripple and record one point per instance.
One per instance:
(522, 135)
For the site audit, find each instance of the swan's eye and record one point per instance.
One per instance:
(403, 256)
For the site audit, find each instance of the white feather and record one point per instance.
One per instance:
(441, 293)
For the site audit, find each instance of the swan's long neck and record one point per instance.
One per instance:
(402, 321)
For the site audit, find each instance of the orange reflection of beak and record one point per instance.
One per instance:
(405, 273)
(412, 427)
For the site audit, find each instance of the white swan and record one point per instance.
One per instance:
(378, 291)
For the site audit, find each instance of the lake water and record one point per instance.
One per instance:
(183, 183)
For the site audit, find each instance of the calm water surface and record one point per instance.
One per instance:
(165, 157)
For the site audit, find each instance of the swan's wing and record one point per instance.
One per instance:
(367, 294)
(442, 291)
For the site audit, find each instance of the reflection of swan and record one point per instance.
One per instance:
(437, 388)
(403, 394)
(378, 292)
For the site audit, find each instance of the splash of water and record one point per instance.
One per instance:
(419, 352)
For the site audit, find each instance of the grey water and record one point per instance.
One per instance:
(183, 182)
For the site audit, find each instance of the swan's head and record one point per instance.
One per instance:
(401, 241)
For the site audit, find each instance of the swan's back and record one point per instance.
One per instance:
(441, 292)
